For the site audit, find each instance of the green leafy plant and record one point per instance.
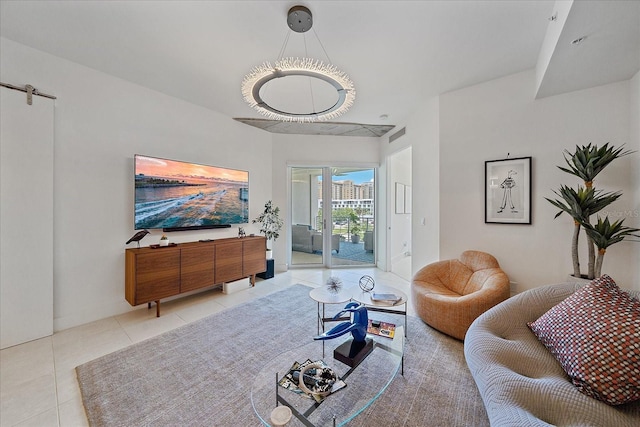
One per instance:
(270, 221)
(586, 162)
(579, 205)
(605, 234)
(354, 220)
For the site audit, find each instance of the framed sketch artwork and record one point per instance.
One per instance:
(507, 191)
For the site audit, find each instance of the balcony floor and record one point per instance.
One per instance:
(350, 254)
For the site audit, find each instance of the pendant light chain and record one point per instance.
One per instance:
(322, 46)
(306, 54)
(284, 45)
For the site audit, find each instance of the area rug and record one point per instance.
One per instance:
(200, 374)
(354, 252)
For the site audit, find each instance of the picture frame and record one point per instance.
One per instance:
(399, 198)
(407, 199)
(507, 191)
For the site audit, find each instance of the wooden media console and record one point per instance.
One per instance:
(155, 273)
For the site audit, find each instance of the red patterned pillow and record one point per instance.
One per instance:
(595, 335)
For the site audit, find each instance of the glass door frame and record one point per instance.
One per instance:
(327, 210)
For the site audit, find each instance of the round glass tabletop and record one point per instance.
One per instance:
(324, 296)
(364, 383)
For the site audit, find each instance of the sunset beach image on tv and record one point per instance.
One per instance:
(174, 194)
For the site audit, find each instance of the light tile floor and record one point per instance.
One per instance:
(38, 384)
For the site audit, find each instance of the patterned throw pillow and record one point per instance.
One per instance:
(595, 335)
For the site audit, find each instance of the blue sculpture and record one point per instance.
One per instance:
(358, 327)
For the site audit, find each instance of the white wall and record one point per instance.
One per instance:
(313, 150)
(100, 123)
(422, 135)
(489, 120)
(633, 216)
(399, 224)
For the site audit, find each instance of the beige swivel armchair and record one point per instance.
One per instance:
(449, 295)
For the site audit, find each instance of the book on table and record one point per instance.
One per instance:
(289, 383)
(383, 329)
(385, 297)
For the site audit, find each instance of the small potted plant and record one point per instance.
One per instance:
(355, 227)
(164, 240)
(355, 234)
(270, 224)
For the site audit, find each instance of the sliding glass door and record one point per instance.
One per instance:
(306, 222)
(340, 232)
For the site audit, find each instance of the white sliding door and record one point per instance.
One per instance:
(332, 216)
(26, 218)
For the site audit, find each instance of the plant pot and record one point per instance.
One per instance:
(164, 242)
(573, 279)
(355, 238)
(269, 254)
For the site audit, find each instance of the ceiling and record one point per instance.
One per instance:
(398, 53)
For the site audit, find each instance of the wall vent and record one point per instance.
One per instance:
(397, 135)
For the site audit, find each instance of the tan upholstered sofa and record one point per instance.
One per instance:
(520, 381)
(449, 295)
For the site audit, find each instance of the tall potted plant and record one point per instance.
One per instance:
(270, 224)
(586, 163)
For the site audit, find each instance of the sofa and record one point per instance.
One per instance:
(368, 241)
(448, 295)
(520, 381)
(317, 242)
(305, 239)
(302, 238)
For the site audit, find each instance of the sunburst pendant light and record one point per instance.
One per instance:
(300, 20)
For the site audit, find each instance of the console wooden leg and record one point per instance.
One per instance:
(252, 280)
(158, 308)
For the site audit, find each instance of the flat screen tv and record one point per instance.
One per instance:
(174, 195)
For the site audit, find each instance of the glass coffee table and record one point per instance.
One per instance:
(364, 383)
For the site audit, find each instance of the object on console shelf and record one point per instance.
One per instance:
(137, 237)
(164, 240)
(169, 245)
